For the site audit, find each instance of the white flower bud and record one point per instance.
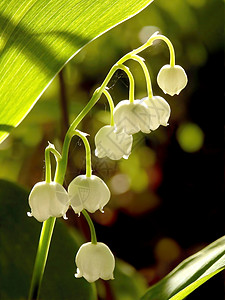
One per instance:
(95, 261)
(48, 200)
(90, 193)
(131, 117)
(111, 144)
(159, 111)
(172, 79)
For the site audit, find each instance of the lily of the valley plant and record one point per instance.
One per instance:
(87, 193)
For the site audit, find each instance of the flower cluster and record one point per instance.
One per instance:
(88, 192)
(85, 192)
(52, 200)
(143, 115)
(93, 260)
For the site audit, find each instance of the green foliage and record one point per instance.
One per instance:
(38, 38)
(190, 288)
(190, 274)
(128, 283)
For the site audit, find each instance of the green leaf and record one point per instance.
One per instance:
(19, 240)
(190, 274)
(38, 37)
(190, 288)
(128, 283)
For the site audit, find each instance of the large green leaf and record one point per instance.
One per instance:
(190, 274)
(37, 38)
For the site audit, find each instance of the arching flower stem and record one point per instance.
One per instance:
(60, 172)
(48, 171)
(50, 149)
(169, 44)
(131, 79)
(61, 169)
(91, 226)
(82, 135)
(140, 60)
(149, 42)
(111, 106)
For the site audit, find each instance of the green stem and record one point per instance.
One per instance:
(61, 170)
(170, 46)
(41, 258)
(50, 149)
(88, 151)
(111, 105)
(147, 75)
(149, 42)
(131, 79)
(48, 171)
(46, 232)
(91, 226)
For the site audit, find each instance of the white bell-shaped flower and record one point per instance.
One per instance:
(90, 193)
(131, 117)
(95, 261)
(159, 111)
(172, 79)
(48, 200)
(111, 144)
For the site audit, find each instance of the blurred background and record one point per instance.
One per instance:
(166, 199)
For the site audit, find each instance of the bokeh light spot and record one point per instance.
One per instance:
(190, 137)
(119, 184)
(146, 32)
(167, 250)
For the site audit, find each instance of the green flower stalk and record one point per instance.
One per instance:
(91, 226)
(83, 135)
(95, 193)
(140, 60)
